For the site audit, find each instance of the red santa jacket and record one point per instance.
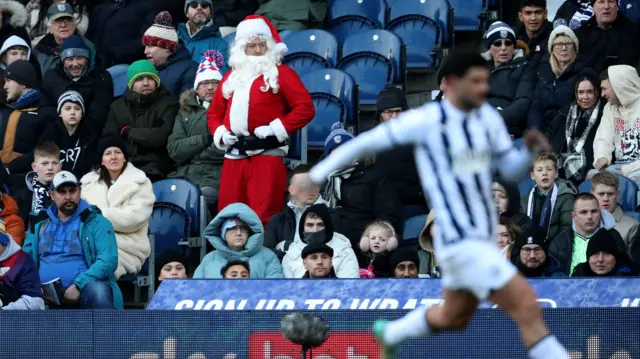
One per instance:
(285, 112)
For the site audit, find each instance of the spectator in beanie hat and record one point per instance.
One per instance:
(317, 259)
(171, 265)
(144, 118)
(20, 286)
(75, 137)
(174, 63)
(77, 71)
(337, 136)
(530, 254)
(200, 32)
(391, 102)
(405, 263)
(603, 258)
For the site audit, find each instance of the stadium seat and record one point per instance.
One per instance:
(628, 192)
(348, 17)
(179, 216)
(413, 226)
(335, 97)
(285, 33)
(119, 75)
(311, 50)
(633, 214)
(525, 186)
(424, 27)
(230, 37)
(297, 148)
(468, 14)
(375, 59)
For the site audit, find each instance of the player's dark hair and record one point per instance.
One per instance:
(235, 262)
(458, 63)
(534, 3)
(584, 196)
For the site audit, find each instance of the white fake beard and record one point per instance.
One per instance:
(247, 68)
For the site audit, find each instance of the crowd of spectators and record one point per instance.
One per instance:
(79, 162)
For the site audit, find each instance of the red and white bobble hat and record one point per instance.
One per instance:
(209, 69)
(253, 25)
(161, 33)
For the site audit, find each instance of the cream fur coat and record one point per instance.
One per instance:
(127, 204)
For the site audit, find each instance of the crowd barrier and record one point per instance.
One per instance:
(380, 294)
(588, 333)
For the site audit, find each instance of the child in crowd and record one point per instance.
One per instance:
(378, 241)
(171, 265)
(236, 269)
(14, 48)
(550, 202)
(75, 137)
(506, 233)
(33, 200)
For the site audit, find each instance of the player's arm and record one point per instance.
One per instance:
(403, 130)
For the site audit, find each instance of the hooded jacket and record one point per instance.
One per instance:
(20, 275)
(12, 220)
(98, 246)
(179, 72)
(78, 151)
(207, 38)
(17, 40)
(345, 262)
(561, 247)
(513, 207)
(95, 86)
(11, 42)
(618, 134)
(262, 261)
(198, 160)
(560, 219)
(151, 118)
(511, 88)
(127, 204)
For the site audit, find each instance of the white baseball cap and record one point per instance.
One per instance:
(62, 178)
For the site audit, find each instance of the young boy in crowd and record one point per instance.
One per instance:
(550, 202)
(171, 265)
(33, 200)
(236, 269)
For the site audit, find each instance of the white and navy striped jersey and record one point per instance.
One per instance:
(456, 154)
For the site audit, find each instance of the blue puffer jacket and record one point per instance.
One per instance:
(263, 261)
(208, 38)
(179, 72)
(98, 245)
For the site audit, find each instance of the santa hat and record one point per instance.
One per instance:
(161, 33)
(253, 25)
(209, 69)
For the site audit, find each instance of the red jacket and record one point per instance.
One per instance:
(12, 220)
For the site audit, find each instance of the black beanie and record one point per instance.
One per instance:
(403, 255)
(533, 235)
(603, 241)
(111, 141)
(169, 256)
(323, 212)
(317, 247)
(22, 72)
(390, 97)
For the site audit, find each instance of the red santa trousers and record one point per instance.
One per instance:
(259, 182)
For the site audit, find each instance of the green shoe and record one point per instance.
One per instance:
(388, 352)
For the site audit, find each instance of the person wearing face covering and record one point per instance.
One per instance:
(316, 227)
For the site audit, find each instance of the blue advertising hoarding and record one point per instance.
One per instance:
(378, 294)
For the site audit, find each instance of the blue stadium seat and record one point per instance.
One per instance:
(311, 50)
(374, 59)
(335, 97)
(467, 14)
(348, 17)
(413, 226)
(230, 37)
(285, 33)
(628, 192)
(423, 26)
(297, 148)
(119, 75)
(633, 214)
(525, 186)
(179, 216)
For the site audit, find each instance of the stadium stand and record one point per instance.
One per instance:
(413, 226)
(628, 192)
(311, 50)
(350, 17)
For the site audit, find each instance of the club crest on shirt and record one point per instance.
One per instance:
(4, 270)
(470, 161)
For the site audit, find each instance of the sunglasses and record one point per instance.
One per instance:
(204, 5)
(499, 43)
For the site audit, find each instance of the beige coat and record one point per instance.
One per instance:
(625, 225)
(127, 204)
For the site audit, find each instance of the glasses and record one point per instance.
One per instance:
(392, 111)
(537, 251)
(243, 229)
(211, 83)
(499, 43)
(563, 45)
(204, 5)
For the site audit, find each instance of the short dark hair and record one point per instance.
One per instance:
(458, 63)
(234, 262)
(46, 149)
(584, 196)
(534, 3)
(299, 169)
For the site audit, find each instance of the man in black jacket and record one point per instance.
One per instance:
(77, 71)
(608, 38)
(570, 246)
(531, 256)
(534, 29)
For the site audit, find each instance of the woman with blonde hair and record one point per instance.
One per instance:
(556, 78)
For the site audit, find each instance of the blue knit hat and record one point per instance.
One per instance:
(74, 46)
(337, 137)
(499, 30)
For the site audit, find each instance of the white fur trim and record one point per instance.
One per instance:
(19, 14)
(239, 111)
(279, 130)
(206, 75)
(217, 137)
(282, 48)
(252, 27)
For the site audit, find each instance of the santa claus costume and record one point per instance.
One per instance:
(256, 107)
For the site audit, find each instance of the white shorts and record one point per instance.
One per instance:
(475, 266)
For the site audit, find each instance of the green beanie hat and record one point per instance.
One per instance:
(140, 69)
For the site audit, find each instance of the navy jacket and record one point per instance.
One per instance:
(179, 72)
